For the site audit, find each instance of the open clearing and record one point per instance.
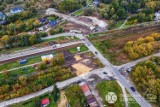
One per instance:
(111, 44)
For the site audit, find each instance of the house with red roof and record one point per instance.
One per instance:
(85, 89)
(45, 102)
(90, 98)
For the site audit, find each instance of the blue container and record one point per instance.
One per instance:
(23, 61)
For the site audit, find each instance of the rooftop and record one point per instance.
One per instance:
(45, 101)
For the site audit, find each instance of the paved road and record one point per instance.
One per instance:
(113, 70)
(58, 35)
(51, 11)
(35, 51)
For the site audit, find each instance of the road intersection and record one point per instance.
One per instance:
(111, 70)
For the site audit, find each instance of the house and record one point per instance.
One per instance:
(90, 98)
(96, 2)
(16, 10)
(85, 89)
(52, 23)
(45, 102)
(157, 14)
(2, 16)
(42, 20)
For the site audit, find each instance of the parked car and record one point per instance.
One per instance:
(96, 52)
(133, 89)
(104, 72)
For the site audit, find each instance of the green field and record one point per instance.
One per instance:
(82, 49)
(78, 13)
(15, 64)
(105, 87)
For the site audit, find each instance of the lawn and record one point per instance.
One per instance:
(116, 25)
(105, 87)
(15, 64)
(131, 101)
(35, 102)
(82, 49)
(78, 13)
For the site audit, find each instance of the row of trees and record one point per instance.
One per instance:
(67, 6)
(19, 16)
(11, 87)
(56, 31)
(20, 40)
(19, 26)
(118, 9)
(146, 76)
(143, 16)
(143, 46)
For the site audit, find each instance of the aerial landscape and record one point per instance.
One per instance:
(79, 53)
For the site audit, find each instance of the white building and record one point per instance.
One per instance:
(157, 14)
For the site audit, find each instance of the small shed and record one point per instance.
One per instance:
(45, 102)
(46, 57)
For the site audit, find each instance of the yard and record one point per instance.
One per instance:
(82, 49)
(105, 87)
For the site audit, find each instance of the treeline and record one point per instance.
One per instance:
(20, 26)
(67, 6)
(143, 16)
(143, 46)
(21, 40)
(119, 9)
(19, 16)
(146, 76)
(11, 87)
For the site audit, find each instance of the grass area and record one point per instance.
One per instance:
(15, 64)
(35, 102)
(116, 25)
(110, 86)
(82, 49)
(78, 13)
(131, 101)
(22, 72)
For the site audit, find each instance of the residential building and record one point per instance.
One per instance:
(90, 98)
(96, 2)
(16, 10)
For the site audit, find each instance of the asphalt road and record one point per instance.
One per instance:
(113, 70)
(34, 51)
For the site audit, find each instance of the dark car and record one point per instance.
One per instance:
(133, 89)
(96, 52)
(104, 72)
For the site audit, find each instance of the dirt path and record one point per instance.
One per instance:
(63, 100)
